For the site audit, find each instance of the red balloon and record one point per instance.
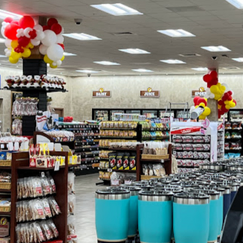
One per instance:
(63, 47)
(23, 41)
(235, 102)
(213, 74)
(8, 20)
(51, 22)
(19, 49)
(32, 34)
(195, 100)
(11, 31)
(26, 21)
(202, 100)
(214, 81)
(57, 28)
(207, 78)
(45, 27)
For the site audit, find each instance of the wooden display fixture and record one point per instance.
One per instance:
(20, 169)
(154, 157)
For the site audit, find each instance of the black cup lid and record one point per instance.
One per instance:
(189, 195)
(112, 191)
(156, 193)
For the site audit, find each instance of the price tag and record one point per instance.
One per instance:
(115, 182)
(162, 161)
(16, 146)
(57, 166)
(2, 146)
(109, 170)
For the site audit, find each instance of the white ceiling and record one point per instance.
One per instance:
(214, 22)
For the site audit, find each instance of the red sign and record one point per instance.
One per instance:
(186, 130)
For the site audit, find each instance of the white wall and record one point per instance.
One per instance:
(125, 92)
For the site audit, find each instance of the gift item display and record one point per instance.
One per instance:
(5, 205)
(5, 180)
(201, 197)
(61, 136)
(13, 143)
(25, 106)
(128, 117)
(233, 139)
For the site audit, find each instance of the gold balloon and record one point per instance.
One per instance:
(14, 44)
(47, 59)
(52, 66)
(16, 55)
(26, 53)
(30, 46)
(12, 60)
(63, 58)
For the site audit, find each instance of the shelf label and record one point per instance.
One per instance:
(109, 170)
(57, 166)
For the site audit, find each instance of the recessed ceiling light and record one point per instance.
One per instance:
(107, 63)
(117, 9)
(237, 3)
(173, 61)
(87, 71)
(215, 48)
(4, 14)
(82, 36)
(238, 59)
(176, 33)
(68, 54)
(141, 70)
(200, 69)
(134, 51)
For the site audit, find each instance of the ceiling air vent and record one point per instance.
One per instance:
(123, 33)
(190, 55)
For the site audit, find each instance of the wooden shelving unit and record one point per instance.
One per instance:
(20, 169)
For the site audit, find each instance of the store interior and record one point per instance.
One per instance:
(121, 115)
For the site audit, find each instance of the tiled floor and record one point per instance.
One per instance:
(85, 208)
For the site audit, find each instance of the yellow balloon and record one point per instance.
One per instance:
(30, 46)
(207, 111)
(16, 55)
(227, 107)
(14, 44)
(26, 53)
(52, 66)
(63, 58)
(12, 60)
(202, 104)
(47, 59)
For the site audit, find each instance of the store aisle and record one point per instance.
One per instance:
(85, 208)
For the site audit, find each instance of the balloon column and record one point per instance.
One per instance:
(219, 92)
(202, 102)
(23, 35)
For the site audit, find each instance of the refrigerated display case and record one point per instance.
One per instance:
(101, 115)
(150, 113)
(112, 112)
(166, 113)
(133, 112)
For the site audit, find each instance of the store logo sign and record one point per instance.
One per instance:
(201, 92)
(149, 93)
(101, 94)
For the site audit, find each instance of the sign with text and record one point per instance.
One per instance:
(149, 93)
(200, 92)
(101, 94)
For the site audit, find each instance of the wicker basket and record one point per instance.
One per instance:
(5, 162)
(5, 186)
(145, 177)
(155, 157)
(5, 209)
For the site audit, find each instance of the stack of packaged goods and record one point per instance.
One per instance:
(72, 237)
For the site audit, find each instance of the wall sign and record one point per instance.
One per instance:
(101, 94)
(149, 93)
(201, 92)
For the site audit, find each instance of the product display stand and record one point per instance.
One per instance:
(20, 169)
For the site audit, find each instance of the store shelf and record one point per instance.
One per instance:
(233, 150)
(192, 159)
(48, 90)
(111, 137)
(5, 190)
(233, 138)
(119, 128)
(154, 129)
(125, 171)
(38, 168)
(104, 159)
(104, 179)
(123, 149)
(154, 160)
(178, 150)
(5, 168)
(156, 138)
(5, 214)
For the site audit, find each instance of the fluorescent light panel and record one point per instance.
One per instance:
(173, 61)
(82, 36)
(237, 3)
(141, 70)
(4, 14)
(215, 48)
(68, 54)
(134, 51)
(200, 69)
(87, 71)
(176, 33)
(107, 63)
(117, 9)
(238, 59)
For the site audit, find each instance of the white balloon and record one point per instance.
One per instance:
(55, 52)
(8, 43)
(50, 38)
(38, 27)
(43, 49)
(20, 33)
(26, 31)
(7, 52)
(59, 63)
(2, 31)
(35, 42)
(60, 39)
(54, 64)
(226, 86)
(40, 35)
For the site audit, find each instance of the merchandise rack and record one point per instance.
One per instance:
(19, 169)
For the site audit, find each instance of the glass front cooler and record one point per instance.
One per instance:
(150, 113)
(101, 115)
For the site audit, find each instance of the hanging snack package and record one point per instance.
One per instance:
(52, 183)
(46, 187)
(71, 177)
(132, 161)
(126, 161)
(112, 161)
(53, 228)
(46, 206)
(55, 209)
(4, 226)
(119, 161)
(71, 204)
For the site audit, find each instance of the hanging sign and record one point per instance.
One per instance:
(149, 93)
(201, 92)
(101, 94)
